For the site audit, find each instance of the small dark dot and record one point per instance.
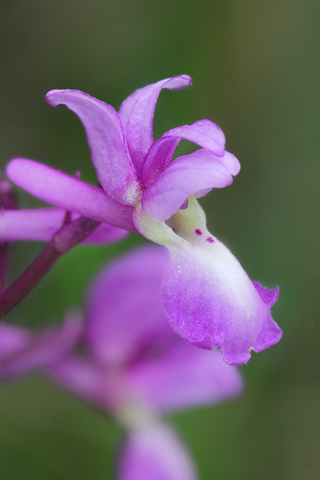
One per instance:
(210, 240)
(198, 232)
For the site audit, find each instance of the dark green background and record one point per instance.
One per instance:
(255, 68)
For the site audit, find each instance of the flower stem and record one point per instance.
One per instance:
(67, 237)
(7, 201)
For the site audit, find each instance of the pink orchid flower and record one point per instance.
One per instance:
(208, 298)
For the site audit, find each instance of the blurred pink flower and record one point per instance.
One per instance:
(134, 368)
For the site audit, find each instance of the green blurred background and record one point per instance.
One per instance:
(255, 68)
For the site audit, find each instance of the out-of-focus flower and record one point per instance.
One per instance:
(134, 367)
(125, 334)
(22, 351)
(207, 296)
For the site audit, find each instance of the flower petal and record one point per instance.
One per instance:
(223, 307)
(207, 296)
(185, 176)
(12, 339)
(106, 234)
(204, 133)
(155, 452)
(268, 296)
(109, 151)
(23, 352)
(270, 333)
(69, 193)
(87, 380)
(136, 114)
(183, 377)
(125, 318)
(41, 224)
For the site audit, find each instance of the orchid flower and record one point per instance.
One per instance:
(208, 298)
(135, 367)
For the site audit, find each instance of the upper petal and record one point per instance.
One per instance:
(204, 133)
(137, 111)
(185, 176)
(68, 193)
(155, 452)
(125, 320)
(105, 136)
(40, 224)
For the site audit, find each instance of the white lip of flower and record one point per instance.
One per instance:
(223, 306)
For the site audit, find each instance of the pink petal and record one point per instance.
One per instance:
(158, 158)
(125, 318)
(154, 452)
(69, 193)
(136, 114)
(184, 377)
(106, 234)
(231, 163)
(211, 302)
(185, 176)
(109, 152)
(42, 223)
(23, 352)
(87, 380)
(204, 133)
(268, 296)
(270, 329)
(12, 339)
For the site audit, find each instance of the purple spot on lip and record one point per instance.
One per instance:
(198, 232)
(210, 240)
